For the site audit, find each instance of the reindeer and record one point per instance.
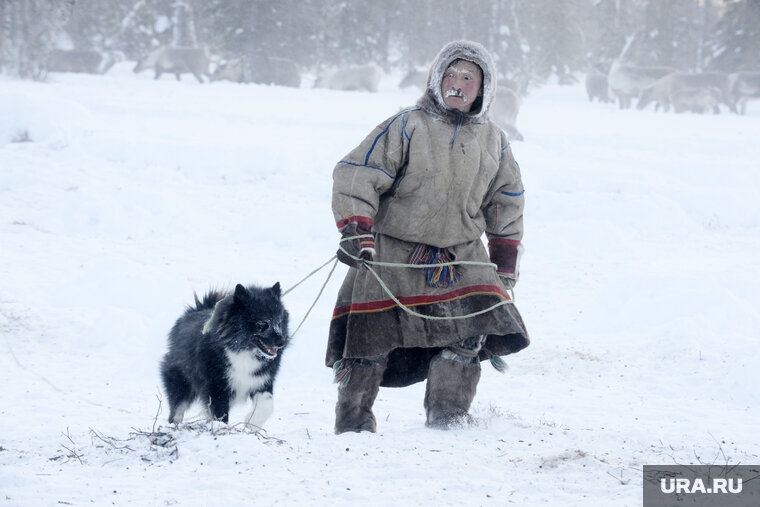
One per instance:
(628, 81)
(662, 91)
(698, 100)
(414, 78)
(229, 70)
(597, 86)
(176, 60)
(366, 77)
(86, 61)
(745, 86)
(276, 71)
(269, 71)
(504, 109)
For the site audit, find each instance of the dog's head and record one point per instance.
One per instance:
(252, 319)
(263, 318)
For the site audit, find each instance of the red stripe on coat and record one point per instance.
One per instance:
(387, 304)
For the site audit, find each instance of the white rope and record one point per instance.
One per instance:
(329, 275)
(368, 265)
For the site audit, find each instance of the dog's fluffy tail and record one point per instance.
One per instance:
(208, 302)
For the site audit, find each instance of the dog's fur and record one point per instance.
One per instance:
(224, 350)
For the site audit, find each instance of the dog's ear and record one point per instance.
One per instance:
(241, 294)
(276, 289)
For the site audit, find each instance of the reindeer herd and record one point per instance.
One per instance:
(662, 87)
(666, 88)
(199, 63)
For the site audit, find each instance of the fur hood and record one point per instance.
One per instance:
(432, 100)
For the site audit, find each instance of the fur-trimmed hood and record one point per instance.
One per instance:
(432, 100)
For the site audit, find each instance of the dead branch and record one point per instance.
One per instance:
(158, 411)
(620, 479)
(72, 453)
(109, 441)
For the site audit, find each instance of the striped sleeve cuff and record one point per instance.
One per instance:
(505, 253)
(359, 226)
(363, 224)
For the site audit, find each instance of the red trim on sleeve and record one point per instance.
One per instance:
(357, 219)
(503, 241)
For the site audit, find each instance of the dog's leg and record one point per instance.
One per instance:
(263, 406)
(177, 414)
(219, 407)
(178, 390)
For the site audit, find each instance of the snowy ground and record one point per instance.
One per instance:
(639, 287)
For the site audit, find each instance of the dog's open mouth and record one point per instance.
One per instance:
(267, 350)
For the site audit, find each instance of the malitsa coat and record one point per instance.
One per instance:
(429, 182)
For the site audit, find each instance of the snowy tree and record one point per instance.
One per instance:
(144, 25)
(508, 43)
(356, 32)
(28, 29)
(254, 31)
(735, 42)
(93, 24)
(183, 25)
(530, 41)
(416, 35)
(551, 38)
(608, 26)
(669, 34)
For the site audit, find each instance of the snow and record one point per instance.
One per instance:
(639, 288)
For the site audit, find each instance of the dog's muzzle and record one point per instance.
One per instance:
(269, 352)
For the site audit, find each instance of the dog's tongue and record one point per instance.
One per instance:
(272, 351)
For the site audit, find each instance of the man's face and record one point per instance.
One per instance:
(461, 85)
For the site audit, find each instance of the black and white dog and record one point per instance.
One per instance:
(225, 350)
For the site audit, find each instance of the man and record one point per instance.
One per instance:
(421, 190)
(462, 84)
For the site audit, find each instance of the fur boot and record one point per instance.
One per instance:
(451, 385)
(357, 394)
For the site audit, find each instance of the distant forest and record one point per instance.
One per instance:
(531, 40)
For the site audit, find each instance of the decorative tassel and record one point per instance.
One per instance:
(498, 363)
(441, 276)
(342, 372)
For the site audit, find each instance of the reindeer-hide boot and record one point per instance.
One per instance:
(452, 381)
(357, 394)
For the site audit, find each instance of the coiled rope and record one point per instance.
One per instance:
(367, 264)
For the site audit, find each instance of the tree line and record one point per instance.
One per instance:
(531, 41)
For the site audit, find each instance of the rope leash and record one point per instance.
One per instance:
(334, 257)
(403, 265)
(433, 317)
(321, 290)
(368, 265)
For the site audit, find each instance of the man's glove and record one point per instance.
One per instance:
(506, 253)
(508, 281)
(352, 251)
